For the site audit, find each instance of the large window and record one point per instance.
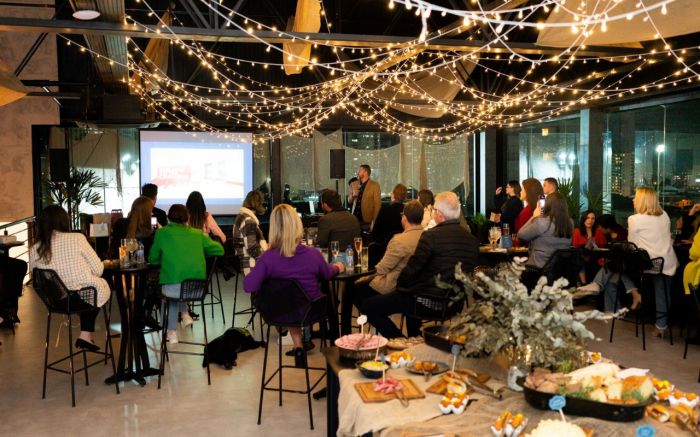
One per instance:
(654, 146)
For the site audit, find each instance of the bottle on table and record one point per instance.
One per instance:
(140, 255)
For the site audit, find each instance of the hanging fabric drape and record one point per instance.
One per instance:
(422, 171)
(11, 88)
(306, 19)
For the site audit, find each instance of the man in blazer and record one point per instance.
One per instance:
(398, 251)
(369, 198)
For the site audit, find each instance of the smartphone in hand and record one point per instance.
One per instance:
(541, 201)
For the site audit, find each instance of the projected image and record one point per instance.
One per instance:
(179, 163)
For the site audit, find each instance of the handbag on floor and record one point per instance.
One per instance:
(224, 349)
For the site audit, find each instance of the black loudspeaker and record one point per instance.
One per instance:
(337, 161)
(59, 165)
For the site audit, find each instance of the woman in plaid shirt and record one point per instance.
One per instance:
(248, 239)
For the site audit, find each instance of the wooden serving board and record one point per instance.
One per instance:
(440, 386)
(367, 393)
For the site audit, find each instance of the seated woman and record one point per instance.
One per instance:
(650, 229)
(70, 255)
(530, 194)
(427, 200)
(180, 250)
(200, 218)
(547, 231)
(612, 231)
(287, 258)
(248, 240)
(388, 221)
(589, 236)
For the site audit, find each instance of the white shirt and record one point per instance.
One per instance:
(653, 234)
(75, 262)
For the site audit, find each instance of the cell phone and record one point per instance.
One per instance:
(154, 222)
(541, 201)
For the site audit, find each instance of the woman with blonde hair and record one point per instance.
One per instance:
(650, 229)
(287, 258)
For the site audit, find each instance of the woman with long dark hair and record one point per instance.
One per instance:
(70, 255)
(509, 203)
(589, 235)
(547, 231)
(530, 194)
(200, 218)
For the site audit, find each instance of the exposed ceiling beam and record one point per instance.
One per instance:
(13, 24)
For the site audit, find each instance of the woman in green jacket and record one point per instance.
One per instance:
(180, 251)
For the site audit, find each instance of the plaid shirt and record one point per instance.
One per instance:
(248, 240)
(75, 262)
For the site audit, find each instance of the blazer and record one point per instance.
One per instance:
(371, 201)
(398, 252)
(338, 226)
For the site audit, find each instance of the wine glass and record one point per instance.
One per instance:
(358, 248)
(335, 249)
(494, 235)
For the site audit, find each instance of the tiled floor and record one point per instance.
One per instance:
(187, 406)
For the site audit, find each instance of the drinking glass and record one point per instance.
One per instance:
(494, 235)
(505, 230)
(335, 249)
(358, 248)
(364, 259)
(131, 246)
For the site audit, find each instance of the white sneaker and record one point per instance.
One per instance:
(187, 320)
(172, 337)
(586, 290)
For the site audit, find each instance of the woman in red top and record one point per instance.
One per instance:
(588, 235)
(530, 194)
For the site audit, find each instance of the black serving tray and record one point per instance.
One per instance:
(437, 337)
(588, 408)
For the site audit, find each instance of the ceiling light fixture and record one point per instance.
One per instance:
(86, 14)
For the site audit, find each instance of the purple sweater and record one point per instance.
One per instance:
(306, 266)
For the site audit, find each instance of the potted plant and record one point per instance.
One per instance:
(82, 186)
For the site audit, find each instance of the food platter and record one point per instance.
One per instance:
(441, 368)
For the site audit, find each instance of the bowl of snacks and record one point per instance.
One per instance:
(400, 359)
(371, 369)
(455, 399)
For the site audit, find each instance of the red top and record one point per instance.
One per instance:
(580, 240)
(523, 217)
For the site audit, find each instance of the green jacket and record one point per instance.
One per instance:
(180, 251)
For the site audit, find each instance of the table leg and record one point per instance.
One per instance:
(346, 310)
(332, 311)
(332, 391)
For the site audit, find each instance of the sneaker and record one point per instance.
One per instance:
(172, 337)
(187, 320)
(308, 345)
(586, 290)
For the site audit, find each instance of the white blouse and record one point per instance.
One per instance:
(653, 234)
(75, 262)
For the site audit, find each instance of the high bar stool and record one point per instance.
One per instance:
(283, 303)
(57, 298)
(245, 311)
(214, 293)
(191, 291)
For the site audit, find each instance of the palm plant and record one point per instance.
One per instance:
(82, 186)
(569, 189)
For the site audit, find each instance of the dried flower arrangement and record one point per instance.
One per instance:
(536, 329)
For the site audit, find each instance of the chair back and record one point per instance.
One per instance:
(54, 293)
(695, 292)
(284, 302)
(193, 289)
(657, 266)
(436, 308)
(375, 252)
(564, 263)
(625, 257)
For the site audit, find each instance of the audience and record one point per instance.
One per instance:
(438, 251)
(180, 250)
(400, 248)
(688, 223)
(151, 191)
(200, 218)
(530, 194)
(612, 231)
(388, 221)
(70, 255)
(12, 272)
(650, 229)
(369, 197)
(550, 186)
(337, 224)
(248, 240)
(508, 203)
(287, 258)
(426, 198)
(547, 231)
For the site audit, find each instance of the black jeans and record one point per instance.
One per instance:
(12, 273)
(88, 313)
(378, 309)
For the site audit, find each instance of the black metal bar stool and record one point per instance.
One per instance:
(657, 270)
(191, 291)
(283, 303)
(251, 311)
(214, 293)
(58, 300)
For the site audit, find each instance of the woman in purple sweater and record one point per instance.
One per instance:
(286, 258)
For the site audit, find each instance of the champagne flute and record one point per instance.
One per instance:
(498, 233)
(335, 249)
(358, 248)
(492, 237)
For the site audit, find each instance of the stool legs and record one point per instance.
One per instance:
(235, 298)
(262, 381)
(206, 346)
(46, 355)
(308, 388)
(163, 341)
(279, 362)
(70, 359)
